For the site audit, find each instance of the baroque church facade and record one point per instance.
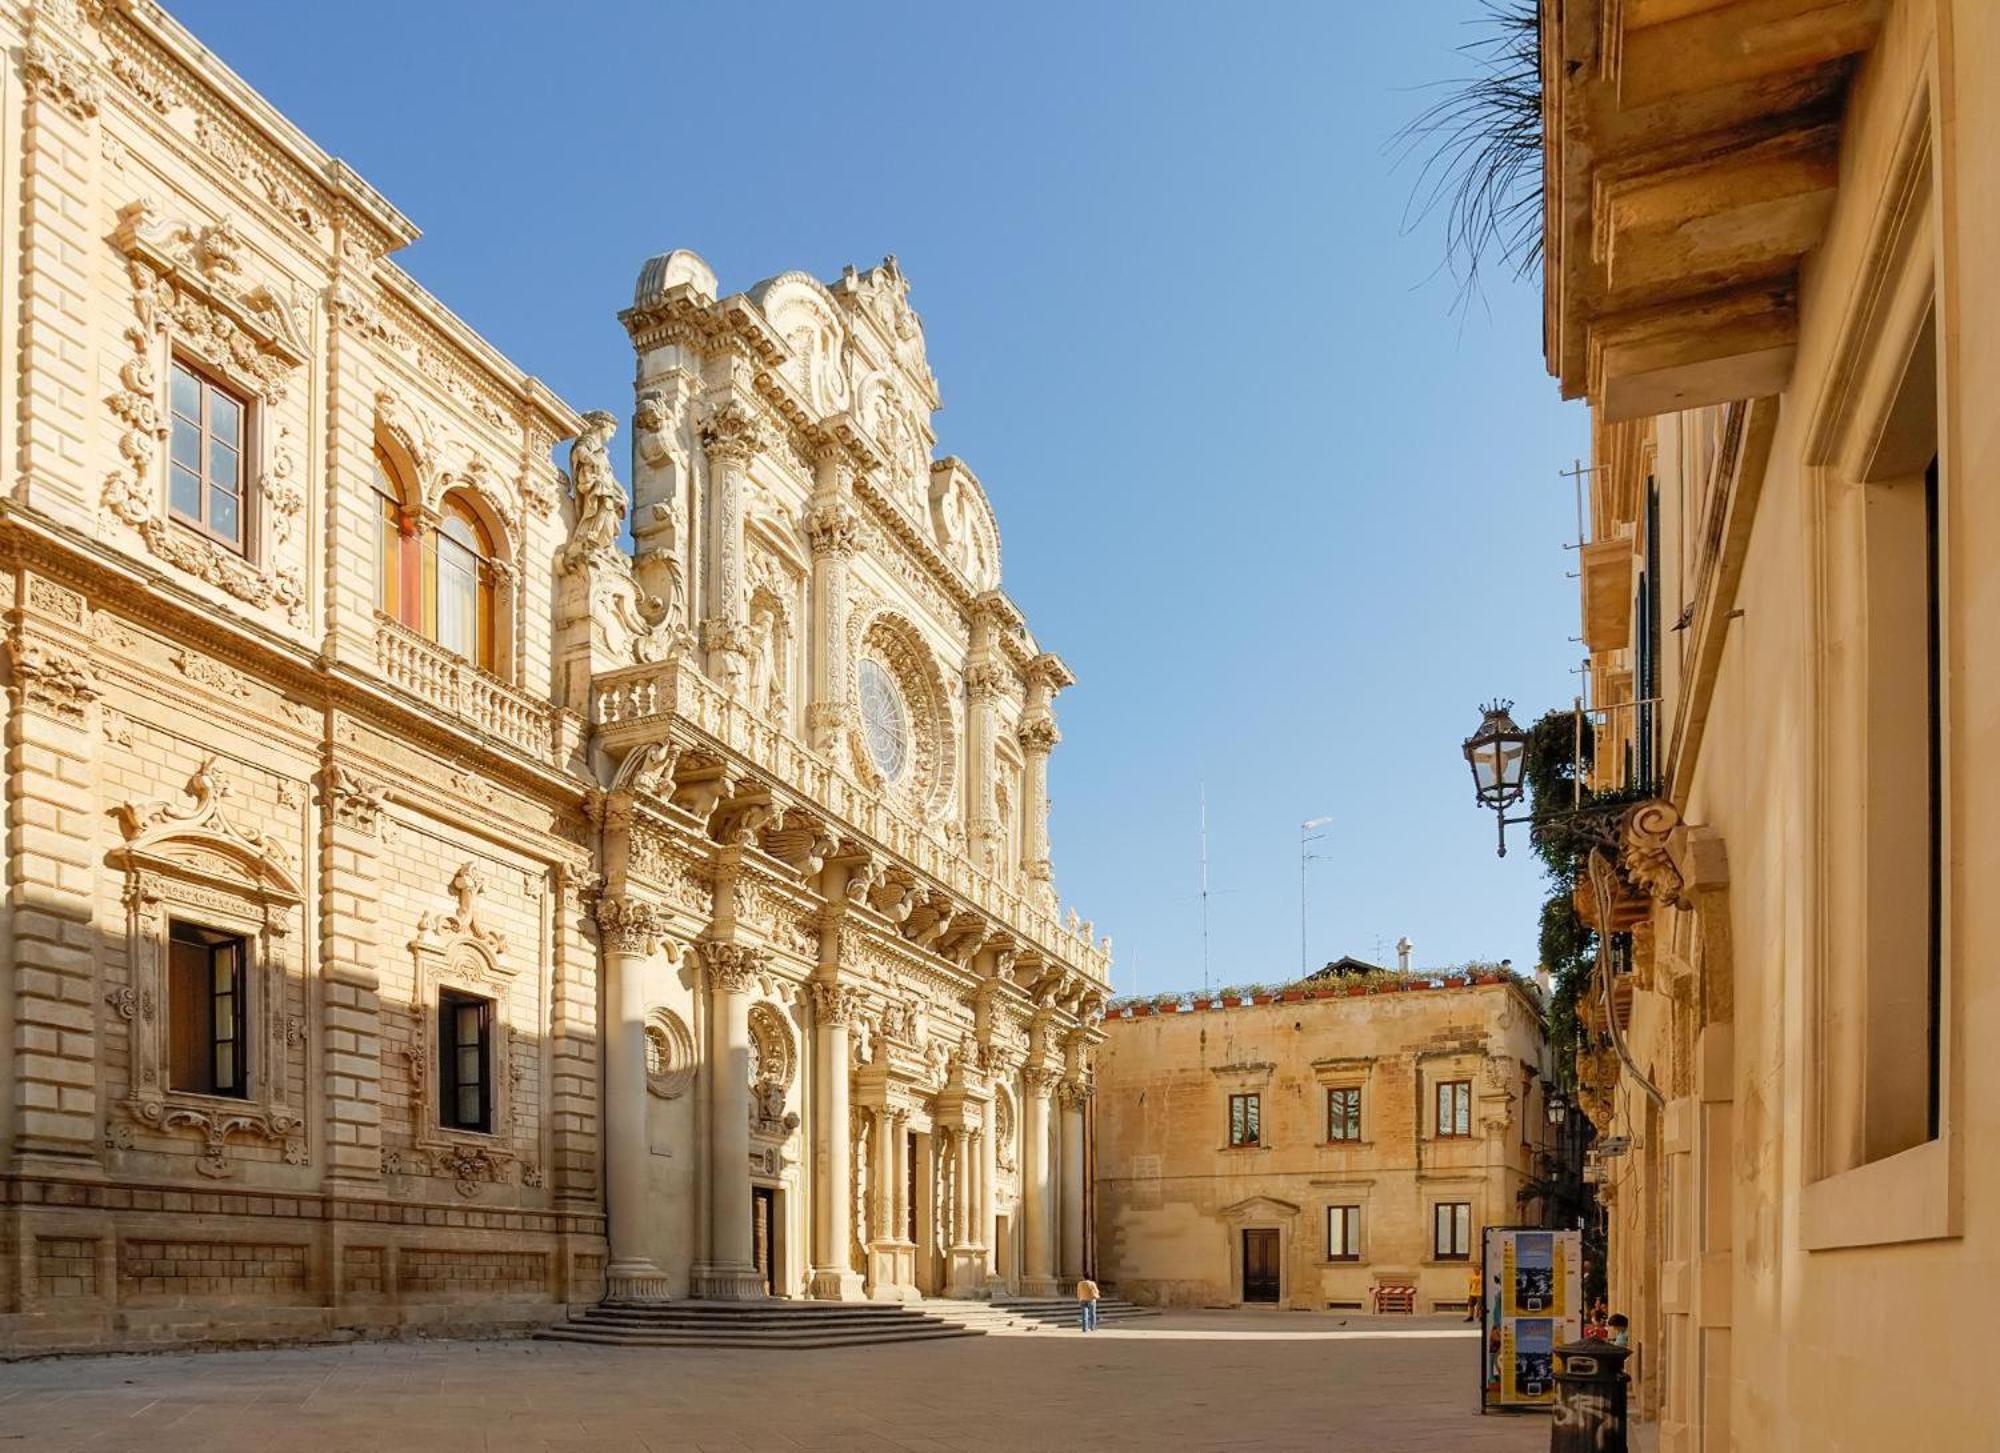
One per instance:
(426, 911)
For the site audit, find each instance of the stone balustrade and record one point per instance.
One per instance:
(633, 705)
(456, 687)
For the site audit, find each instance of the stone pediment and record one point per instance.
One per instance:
(1260, 1208)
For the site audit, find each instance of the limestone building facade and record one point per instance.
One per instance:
(421, 911)
(1319, 1148)
(1770, 273)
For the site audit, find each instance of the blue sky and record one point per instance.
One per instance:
(1286, 516)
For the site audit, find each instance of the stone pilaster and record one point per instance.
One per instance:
(732, 435)
(1038, 1273)
(834, 1278)
(351, 826)
(891, 1254)
(630, 931)
(61, 243)
(730, 1274)
(833, 530)
(966, 1259)
(51, 812)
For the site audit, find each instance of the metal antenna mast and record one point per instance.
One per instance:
(1204, 885)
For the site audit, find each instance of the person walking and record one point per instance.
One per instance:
(1086, 1304)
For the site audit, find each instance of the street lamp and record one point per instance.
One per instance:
(1558, 1107)
(1306, 835)
(1498, 755)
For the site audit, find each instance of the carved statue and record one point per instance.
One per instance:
(600, 499)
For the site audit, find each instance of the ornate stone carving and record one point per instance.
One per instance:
(833, 529)
(1038, 734)
(53, 682)
(733, 431)
(630, 925)
(837, 1005)
(354, 801)
(1041, 1080)
(1645, 835)
(205, 810)
(670, 1064)
(600, 498)
(53, 74)
(215, 1128)
(648, 770)
(732, 967)
(467, 884)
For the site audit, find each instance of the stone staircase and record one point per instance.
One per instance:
(773, 1324)
(1062, 1312)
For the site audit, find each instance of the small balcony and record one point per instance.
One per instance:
(459, 690)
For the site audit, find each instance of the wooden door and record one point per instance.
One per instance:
(1260, 1266)
(763, 1238)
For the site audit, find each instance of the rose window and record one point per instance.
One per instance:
(884, 720)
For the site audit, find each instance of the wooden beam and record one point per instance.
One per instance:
(1707, 48)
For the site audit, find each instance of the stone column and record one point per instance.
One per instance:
(989, 1209)
(730, 1274)
(732, 435)
(629, 931)
(833, 530)
(1073, 1097)
(1038, 1272)
(834, 1279)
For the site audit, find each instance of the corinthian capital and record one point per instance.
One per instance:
(985, 680)
(732, 967)
(732, 431)
(1038, 734)
(833, 530)
(629, 925)
(835, 1004)
(1042, 1080)
(1074, 1094)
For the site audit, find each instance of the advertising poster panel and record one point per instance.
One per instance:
(1532, 1296)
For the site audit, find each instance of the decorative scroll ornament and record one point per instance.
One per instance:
(467, 884)
(216, 1127)
(67, 80)
(733, 432)
(648, 770)
(207, 793)
(1645, 834)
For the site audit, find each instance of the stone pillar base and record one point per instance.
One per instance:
(892, 1272)
(966, 1276)
(996, 1286)
(836, 1284)
(713, 1283)
(1041, 1286)
(640, 1287)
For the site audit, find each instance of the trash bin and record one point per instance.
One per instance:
(1590, 1398)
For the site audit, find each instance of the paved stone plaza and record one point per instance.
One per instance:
(1183, 1382)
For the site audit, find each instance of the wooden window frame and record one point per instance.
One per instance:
(1350, 1225)
(1440, 1250)
(1444, 1125)
(1251, 1135)
(239, 543)
(450, 1003)
(211, 944)
(1334, 1125)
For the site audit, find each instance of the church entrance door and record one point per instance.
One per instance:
(764, 1235)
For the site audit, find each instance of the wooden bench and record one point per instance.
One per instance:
(1395, 1297)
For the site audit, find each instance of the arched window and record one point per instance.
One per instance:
(438, 581)
(458, 570)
